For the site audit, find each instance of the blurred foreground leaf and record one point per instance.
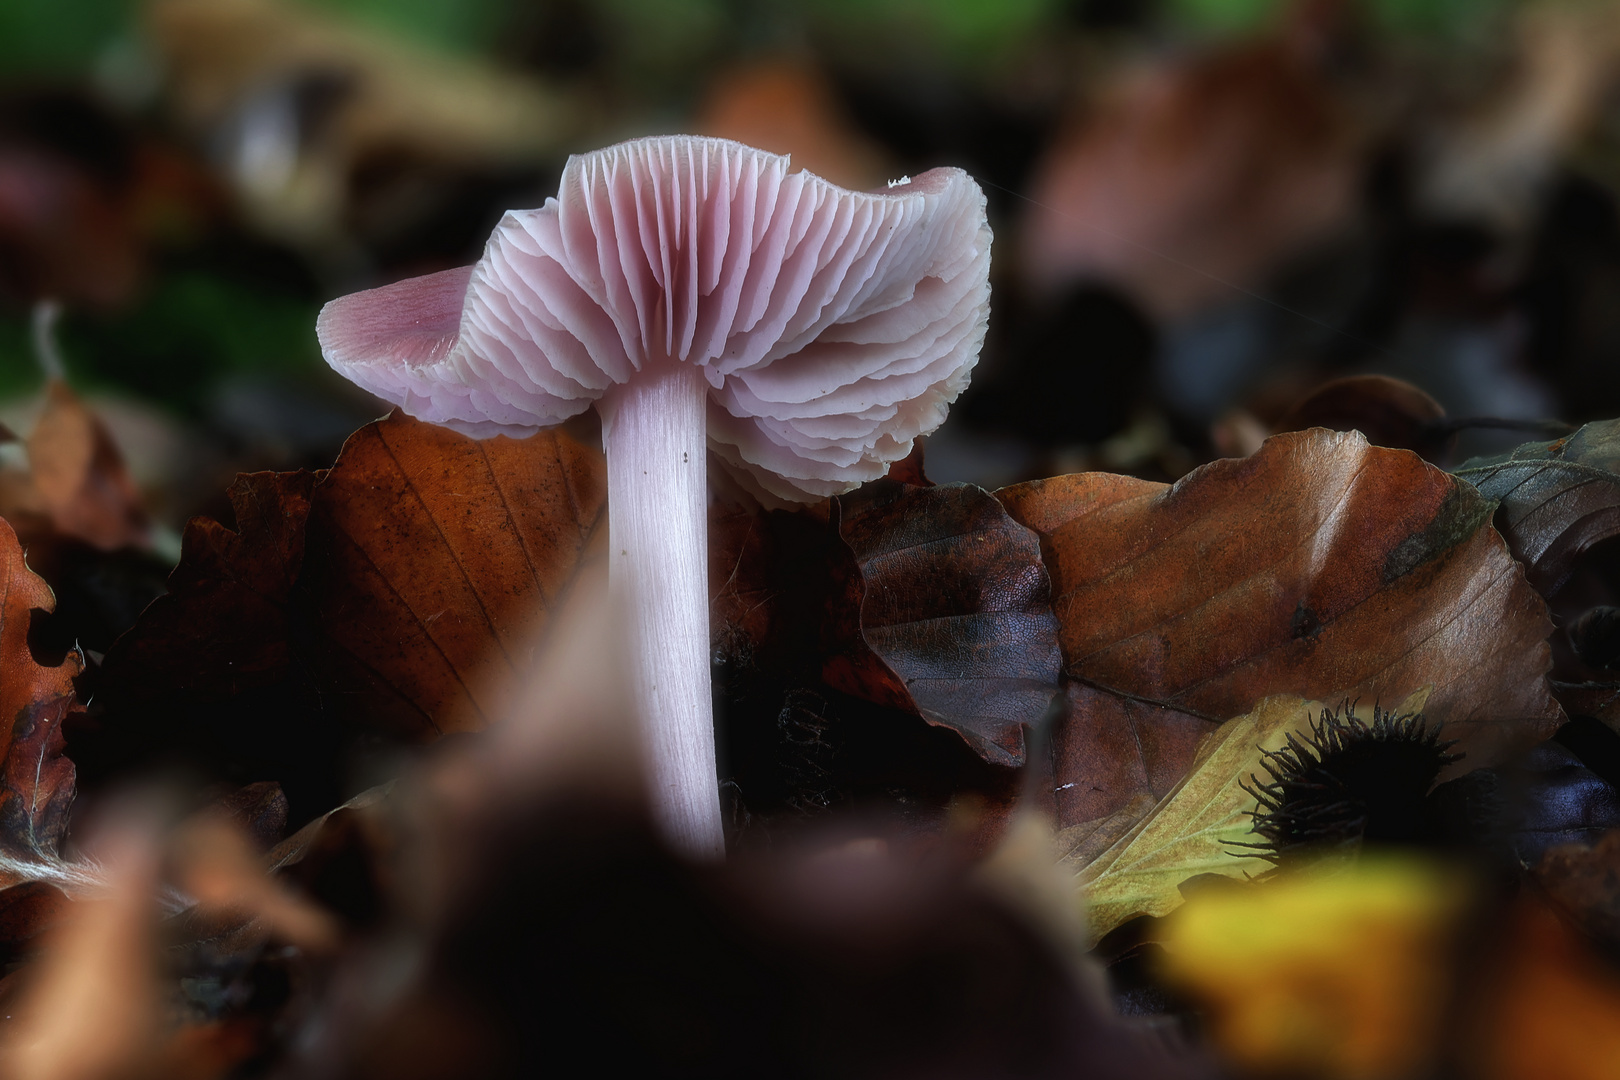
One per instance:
(1339, 971)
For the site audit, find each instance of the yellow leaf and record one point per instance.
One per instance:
(1199, 826)
(1337, 971)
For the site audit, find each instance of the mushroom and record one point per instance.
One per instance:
(703, 297)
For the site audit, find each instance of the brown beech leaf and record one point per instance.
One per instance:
(1096, 781)
(952, 619)
(81, 474)
(1390, 412)
(1196, 172)
(433, 559)
(1321, 567)
(401, 589)
(1555, 499)
(36, 779)
(1583, 881)
(224, 628)
(792, 108)
(76, 483)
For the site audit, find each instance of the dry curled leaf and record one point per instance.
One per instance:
(1321, 567)
(1583, 881)
(1389, 411)
(76, 483)
(1554, 499)
(36, 778)
(953, 621)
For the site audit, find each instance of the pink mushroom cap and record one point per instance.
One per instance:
(833, 327)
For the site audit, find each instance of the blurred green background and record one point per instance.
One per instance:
(1417, 187)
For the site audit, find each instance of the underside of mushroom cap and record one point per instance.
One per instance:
(833, 326)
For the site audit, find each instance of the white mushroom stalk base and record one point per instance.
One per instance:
(654, 434)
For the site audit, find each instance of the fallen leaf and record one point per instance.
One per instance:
(258, 810)
(81, 474)
(76, 483)
(1551, 1006)
(1101, 790)
(225, 626)
(433, 560)
(398, 592)
(951, 618)
(1388, 411)
(92, 1010)
(36, 778)
(1554, 499)
(423, 555)
(1583, 881)
(217, 866)
(1552, 799)
(1200, 827)
(1319, 567)
(1195, 175)
(1340, 971)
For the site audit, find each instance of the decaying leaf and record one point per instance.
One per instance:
(92, 1010)
(225, 627)
(1389, 411)
(433, 560)
(1114, 756)
(1551, 1007)
(1197, 172)
(1320, 567)
(1200, 827)
(36, 779)
(953, 621)
(1554, 499)
(75, 483)
(1336, 972)
(791, 108)
(404, 585)
(1583, 881)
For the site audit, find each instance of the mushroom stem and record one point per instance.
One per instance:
(654, 432)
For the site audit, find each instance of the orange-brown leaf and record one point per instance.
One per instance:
(80, 475)
(1321, 567)
(36, 779)
(433, 560)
